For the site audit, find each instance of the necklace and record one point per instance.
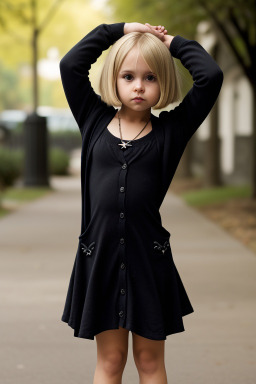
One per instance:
(124, 144)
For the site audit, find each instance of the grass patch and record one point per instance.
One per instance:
(216, 195)
(3, 212)
(25, 193)
(19, 195)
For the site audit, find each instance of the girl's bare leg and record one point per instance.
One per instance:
(149, 359)
(112, 351)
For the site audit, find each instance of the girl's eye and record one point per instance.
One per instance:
(128, 77)
(151, 78)
(148, 77)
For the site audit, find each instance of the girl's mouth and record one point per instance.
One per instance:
(138, 99)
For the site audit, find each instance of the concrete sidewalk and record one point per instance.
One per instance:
(38, 245)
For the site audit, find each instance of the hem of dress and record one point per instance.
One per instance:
(128, 327)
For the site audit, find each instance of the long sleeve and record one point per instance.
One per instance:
(75, 66)
(199, 100)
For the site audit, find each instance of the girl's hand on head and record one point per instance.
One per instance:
(158, 28)
(167, 39)
(138, 27)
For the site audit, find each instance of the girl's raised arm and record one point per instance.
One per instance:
(208, 78)
(75, 66)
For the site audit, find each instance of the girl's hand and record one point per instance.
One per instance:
(138, 27)
(167, 39)
(159, 28)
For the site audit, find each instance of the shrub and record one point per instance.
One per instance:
(11, 166)
(58, 161)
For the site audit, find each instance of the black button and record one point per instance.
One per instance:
(121, 313)
(122, 291)
(121, 189)
(124, 166)
(122, 266)
(121, 215)
(122, 240)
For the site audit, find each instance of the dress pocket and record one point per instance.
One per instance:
(162, 262)
(161, 247)
(87, 249)
(87, 244)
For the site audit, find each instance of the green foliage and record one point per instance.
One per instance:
(11, 164)
(63, 24)
(23, 193)
(177, 16)
(20, 194)
(182, 17)
(208, 196)
(58, 161)
(9, 97)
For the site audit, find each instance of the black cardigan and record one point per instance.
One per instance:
(173, 128)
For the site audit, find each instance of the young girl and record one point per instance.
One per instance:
(124, 277)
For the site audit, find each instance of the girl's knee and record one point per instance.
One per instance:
(148, 361)
(113, 362)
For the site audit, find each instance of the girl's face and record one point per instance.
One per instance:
(137, 86)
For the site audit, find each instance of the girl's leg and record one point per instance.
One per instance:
(149, 359)
(112, 351)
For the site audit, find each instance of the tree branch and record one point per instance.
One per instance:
(18, 12)
(223, 29)
(242, 32)
(49, 15)
(17, 37)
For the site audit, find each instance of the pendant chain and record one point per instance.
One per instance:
(124, 144)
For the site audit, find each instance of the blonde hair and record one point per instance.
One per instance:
(158, 58)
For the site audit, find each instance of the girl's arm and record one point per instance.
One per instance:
(75, 66)
(208, 78)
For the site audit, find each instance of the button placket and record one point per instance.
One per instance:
(122, 240)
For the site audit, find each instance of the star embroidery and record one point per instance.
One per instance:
(124, 145)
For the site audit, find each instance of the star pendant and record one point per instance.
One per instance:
(124, 145)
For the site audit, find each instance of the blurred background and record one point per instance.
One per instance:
(40, 143)
(39, 136)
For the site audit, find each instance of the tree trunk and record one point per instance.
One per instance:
(35, 55)
(36, 172)
(35, 78)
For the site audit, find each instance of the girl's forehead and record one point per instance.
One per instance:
(134, 61)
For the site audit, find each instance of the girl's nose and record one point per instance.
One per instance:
(138, 86)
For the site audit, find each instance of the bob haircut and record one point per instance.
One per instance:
(158, 58)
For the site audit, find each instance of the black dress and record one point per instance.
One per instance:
(124, 273)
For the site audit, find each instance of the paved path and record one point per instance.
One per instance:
(38, 245)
